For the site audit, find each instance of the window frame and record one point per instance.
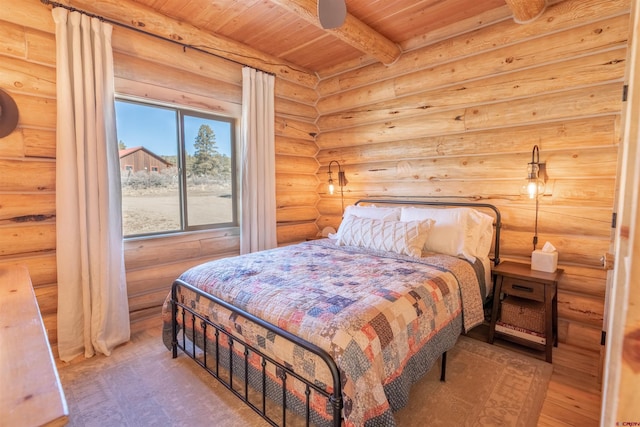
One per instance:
(182, 111)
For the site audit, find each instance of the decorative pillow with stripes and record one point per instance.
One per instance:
(405, 238)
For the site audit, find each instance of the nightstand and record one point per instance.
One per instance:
(523, 283)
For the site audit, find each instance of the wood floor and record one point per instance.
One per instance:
(573, 397)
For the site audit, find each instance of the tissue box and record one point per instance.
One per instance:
(544, 261)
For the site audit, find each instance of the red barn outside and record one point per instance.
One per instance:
(137, 159)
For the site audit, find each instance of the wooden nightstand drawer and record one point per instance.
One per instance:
(523, 288)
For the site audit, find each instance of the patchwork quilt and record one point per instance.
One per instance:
(384, 318)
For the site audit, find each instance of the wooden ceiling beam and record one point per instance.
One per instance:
(353, 32)
(135, 15)
(526, 10)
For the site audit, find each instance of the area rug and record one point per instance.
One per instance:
(485, 386)
(141, 385)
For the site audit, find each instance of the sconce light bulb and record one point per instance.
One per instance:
(331, 188)
(532, 189)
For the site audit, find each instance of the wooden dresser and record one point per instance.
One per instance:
(31, 391)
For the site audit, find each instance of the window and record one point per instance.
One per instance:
(177, 169)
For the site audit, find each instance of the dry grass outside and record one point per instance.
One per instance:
(157, 209)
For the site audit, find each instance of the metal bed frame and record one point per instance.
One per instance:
(191, 344)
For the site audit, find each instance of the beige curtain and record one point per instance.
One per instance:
(93, 313)
(258, 175)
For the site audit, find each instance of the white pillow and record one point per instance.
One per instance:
(373, 212)
(370, 211)
(405, 238)
(483, 232)
(452, 234)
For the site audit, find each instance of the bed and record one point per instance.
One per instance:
(335, 331)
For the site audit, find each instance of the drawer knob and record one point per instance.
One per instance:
(522, 288)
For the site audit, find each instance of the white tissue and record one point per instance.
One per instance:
(545, 259)
(548, 247)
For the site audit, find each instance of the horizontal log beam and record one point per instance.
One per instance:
(526, 10)
(135, 15)
(353, 32)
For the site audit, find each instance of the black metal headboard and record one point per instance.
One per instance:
(497, 223)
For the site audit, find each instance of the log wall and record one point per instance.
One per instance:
(27, 156)
(147, 68)
(459, 118)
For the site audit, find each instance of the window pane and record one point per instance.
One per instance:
(147, 136)
(209, 171)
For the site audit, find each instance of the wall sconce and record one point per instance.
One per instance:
(535, 181)
(534, 185)
(342, 181)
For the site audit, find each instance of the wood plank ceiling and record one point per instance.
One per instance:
(375, 30)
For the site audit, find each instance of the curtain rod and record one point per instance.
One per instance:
(129, 27)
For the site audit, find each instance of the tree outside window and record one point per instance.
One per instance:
(177, 169)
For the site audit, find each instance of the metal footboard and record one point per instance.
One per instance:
(191, 320)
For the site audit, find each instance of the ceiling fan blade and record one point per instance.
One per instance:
(332, 13)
